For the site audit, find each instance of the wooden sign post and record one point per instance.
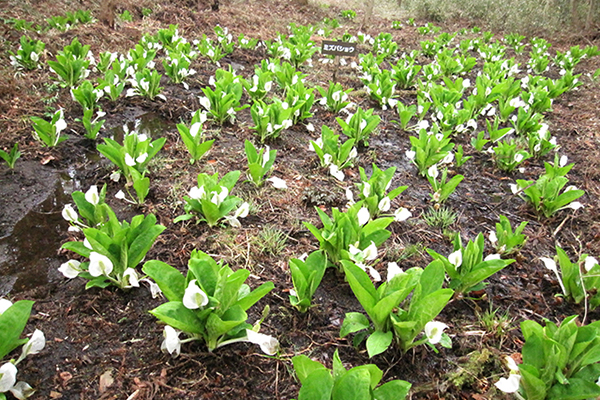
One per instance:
(337, 49)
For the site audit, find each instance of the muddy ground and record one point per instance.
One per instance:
(95, 333)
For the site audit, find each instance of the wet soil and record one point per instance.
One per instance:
(92, 334)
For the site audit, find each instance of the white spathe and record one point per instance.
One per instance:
(69, 213)
(70, 269)
(268, 344)
(392, 270)
(92, 196)
(278, 183)
(510, 384)
(99, 265)
(363, 216)
(5, 304)
(402, 214)
(8, 377)
(171, 343)
(590, 262)
(385, 204)
(194, 297)
(131, 278)
(34, 345)
(455, 258)
(434, 331)
(22, 390)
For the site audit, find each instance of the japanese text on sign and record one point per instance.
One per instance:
(338, 48)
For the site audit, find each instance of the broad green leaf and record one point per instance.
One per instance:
(144, 236)
(577, 389)
(393, 390)
(374, 372)
(174, 313)
(379, 342)
(100, 282)
(170, 281)
(429, 307)
(228, 289)
(12, 323)
(77, 247)
(205, 270)
(361, 285)
(338, 368)
(353, 385)
(304, 366)
(353, 322)
(533, 386)
(317, 386)
(217, 326)
(249, 300)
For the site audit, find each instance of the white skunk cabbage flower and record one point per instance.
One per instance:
(171, 343)
(194, 297)
(70, 269)
(434, 331)
(268, 344)
(99, 265)
(455, 258)
(92, 196)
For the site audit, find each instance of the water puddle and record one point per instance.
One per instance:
(31, 251)
(31, 236)
(149, 124)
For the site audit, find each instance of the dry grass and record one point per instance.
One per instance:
(386, 9)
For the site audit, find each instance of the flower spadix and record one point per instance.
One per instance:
(194, 297)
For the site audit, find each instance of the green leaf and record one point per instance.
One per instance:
(228, 287)
(353, 385)
(353, 322)
(318, 386)
(174, 313)
(77, 247)
(393, 390)
(217, 326)
(248, 301)
(143, 237)
(379, 342)
(361, 285)
(533, 386)
(12, 323)
(481, 272)
(577, 389)
(338, 367)
(304, 366)
(170, 281)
